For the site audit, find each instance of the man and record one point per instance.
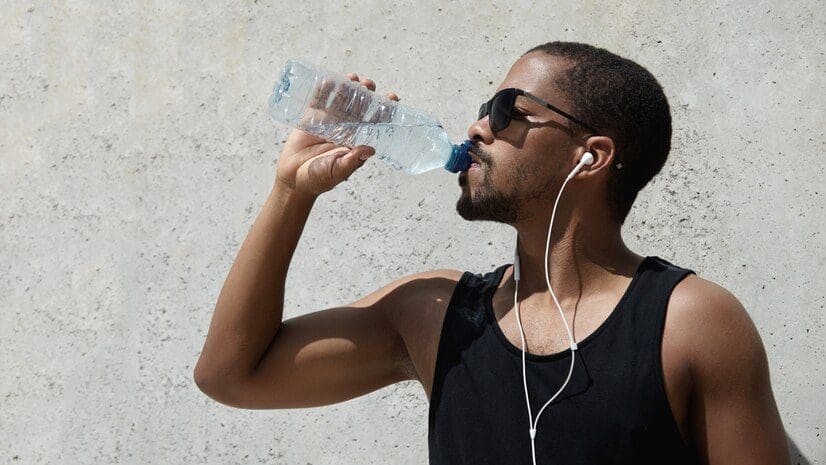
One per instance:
(666, 367)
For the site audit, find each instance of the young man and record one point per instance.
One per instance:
(652, 363)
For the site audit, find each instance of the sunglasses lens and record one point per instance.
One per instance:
(500, 110)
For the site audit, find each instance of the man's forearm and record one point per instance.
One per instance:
(249, 309)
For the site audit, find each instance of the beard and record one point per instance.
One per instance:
(484, 202)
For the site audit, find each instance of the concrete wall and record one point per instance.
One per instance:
(135, 152)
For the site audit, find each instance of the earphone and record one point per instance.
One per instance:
(587, 159)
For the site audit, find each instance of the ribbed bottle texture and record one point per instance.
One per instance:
(344, 112)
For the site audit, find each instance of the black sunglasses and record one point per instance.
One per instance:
(500, 109)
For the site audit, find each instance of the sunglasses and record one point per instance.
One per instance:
(500, 109)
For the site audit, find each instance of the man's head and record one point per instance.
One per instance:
(524, 164)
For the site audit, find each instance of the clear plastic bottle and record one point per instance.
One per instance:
(344, 112)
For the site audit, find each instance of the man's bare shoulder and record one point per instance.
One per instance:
(418, 313)
(421, 294)
(730, 386)
(432, 280)
(713, 330)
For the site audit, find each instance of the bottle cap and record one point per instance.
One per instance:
(459, 158)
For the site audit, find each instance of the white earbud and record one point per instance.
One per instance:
(587, 159)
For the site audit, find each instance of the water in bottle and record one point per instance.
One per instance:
(344, 112)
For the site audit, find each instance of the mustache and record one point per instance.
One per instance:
(483, 155)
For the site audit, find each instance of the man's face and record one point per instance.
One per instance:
(522, 166)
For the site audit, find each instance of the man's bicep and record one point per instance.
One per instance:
(329, 356)
(333, 355)
(733, 415)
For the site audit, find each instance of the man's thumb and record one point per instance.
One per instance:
(358, 155)
(362, 152)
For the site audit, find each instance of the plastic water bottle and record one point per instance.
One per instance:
(344, 112)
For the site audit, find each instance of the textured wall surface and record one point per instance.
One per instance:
(135, 153)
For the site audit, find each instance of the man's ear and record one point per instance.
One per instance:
(603, 150)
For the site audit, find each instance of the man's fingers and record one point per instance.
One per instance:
(368, 83)
(318, 150)
(392, 96)
(365, 81)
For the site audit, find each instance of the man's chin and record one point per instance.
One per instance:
(494, 209)
(471, 211)
(465, 207)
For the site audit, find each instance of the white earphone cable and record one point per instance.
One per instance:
(533, 423)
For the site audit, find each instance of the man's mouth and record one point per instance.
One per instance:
(476, 163)
(473, 156)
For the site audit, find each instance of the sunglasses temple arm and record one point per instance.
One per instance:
(551, 107)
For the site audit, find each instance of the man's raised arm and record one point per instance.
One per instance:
(253, 359)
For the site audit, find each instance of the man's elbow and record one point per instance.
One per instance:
(215, 386)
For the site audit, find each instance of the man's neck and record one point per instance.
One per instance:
(586, 256)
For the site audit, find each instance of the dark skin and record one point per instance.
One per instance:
(714, 363)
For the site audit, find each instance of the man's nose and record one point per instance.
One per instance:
(480, 130)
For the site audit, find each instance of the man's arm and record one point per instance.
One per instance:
(251, 359)
(340, 353)
(733, 415)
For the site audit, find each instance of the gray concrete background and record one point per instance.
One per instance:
(135, 153)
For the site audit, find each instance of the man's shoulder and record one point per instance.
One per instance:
(416, 295)
(417, 311)
(699, 302)
(714, 337)
(712, 329)
(440, 273)
(427, 284)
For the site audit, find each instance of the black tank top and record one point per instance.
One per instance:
(614, 409)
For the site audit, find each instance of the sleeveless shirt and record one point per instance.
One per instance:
(614, 410)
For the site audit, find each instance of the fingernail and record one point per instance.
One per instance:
(364, 156)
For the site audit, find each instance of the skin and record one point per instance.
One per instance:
(714, 363)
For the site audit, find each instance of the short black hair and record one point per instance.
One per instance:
(624, 101)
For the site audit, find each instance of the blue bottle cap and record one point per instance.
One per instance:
(459, 159)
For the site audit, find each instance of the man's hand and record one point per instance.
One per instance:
(310, 166)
